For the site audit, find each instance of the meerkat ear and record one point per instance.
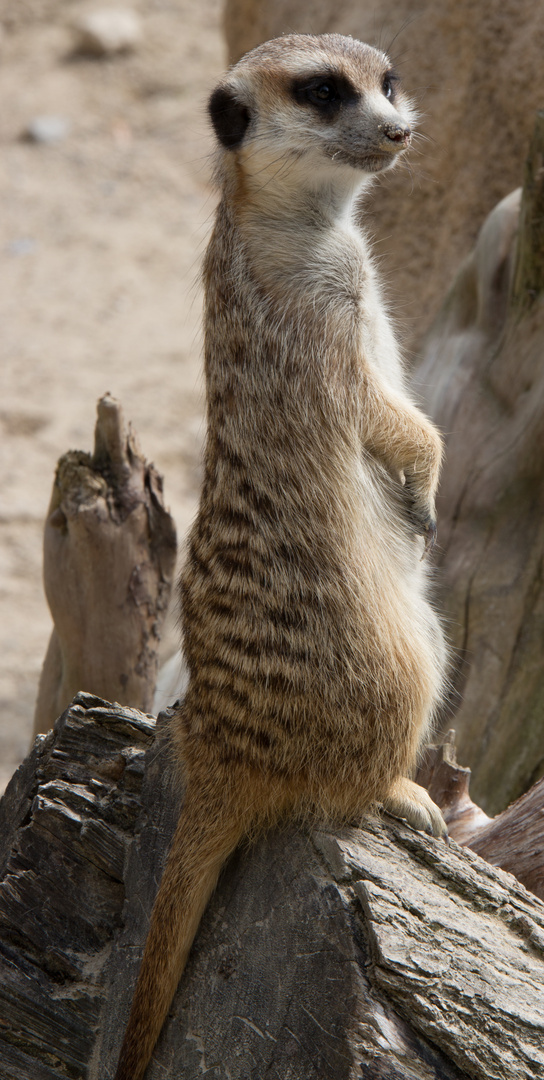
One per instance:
(229, 117)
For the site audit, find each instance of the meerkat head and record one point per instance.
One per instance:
(312, 110)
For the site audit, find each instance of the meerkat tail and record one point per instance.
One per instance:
(205, 837)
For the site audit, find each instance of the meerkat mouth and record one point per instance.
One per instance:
(367, 161)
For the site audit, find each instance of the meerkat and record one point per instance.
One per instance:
(315, 658)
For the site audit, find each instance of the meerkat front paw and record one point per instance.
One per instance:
(408, 800)
(421, 514)
(426, 527)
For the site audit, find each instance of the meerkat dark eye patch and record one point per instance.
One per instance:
(230, 118)
(326, 92)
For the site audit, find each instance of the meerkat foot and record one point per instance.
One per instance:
(408, 800)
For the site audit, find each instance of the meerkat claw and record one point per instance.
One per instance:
(413, 804)
(430, 537)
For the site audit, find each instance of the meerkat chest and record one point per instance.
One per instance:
(320, 276)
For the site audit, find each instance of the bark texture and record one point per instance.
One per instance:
(109, 557)
(66, 823)
(374, 952)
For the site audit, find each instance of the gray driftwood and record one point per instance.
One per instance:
(373, 953)
(481, 378)
(109, 556)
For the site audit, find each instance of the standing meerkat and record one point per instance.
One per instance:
(314, 656)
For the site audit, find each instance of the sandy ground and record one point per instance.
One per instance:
(101, 239)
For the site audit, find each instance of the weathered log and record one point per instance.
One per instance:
(109, 557)
(374, 952)
(66, 822)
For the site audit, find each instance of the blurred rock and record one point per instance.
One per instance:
(22, 245)
(105, 32)
(47, 129)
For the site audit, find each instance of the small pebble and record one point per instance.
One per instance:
(47, 129)
(108, 31)
(23, 245)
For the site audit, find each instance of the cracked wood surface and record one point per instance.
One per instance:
(66, 821)
(456, 947)
(373, 953)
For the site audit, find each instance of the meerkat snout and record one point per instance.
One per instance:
(400, 135)
(397, 133)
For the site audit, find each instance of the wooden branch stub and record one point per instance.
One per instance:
(514, 840)
(109, 558)
(448, 784)
(529, 272)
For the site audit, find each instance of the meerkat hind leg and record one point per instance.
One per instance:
(410, 801)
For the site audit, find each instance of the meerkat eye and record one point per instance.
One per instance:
(325, 92)
(388, 84)
(321, 93)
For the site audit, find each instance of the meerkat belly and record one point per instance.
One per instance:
(301, 641)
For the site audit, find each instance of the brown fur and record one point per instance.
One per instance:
(315, 659)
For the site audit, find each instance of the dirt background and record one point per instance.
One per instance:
(101, 239)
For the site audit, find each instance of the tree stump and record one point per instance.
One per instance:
(374, 952)
(109, 558)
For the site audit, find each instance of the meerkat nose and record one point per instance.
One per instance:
(398, 133)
